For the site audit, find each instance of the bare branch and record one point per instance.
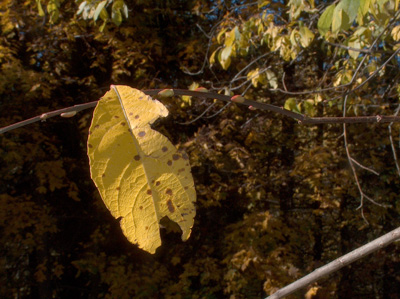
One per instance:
(363, 167)
(302, 119)
(339, 263)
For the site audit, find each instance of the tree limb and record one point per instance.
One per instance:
(339, 263)
(302, 119)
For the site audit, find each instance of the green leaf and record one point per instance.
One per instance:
(355, 43)
(140, 175)
(262, 3)
(291, 104)
(350, 7)
(336, 20)
(306, 36)
(116, 17)
(309, 107)
(98, 10)
(103, 26)
(40, 8)
(362, 11)
(325, 20)
(53, 10)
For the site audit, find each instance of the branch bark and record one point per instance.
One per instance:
(339, 263)
(302, 119)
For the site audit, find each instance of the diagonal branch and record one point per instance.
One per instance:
(339, 263)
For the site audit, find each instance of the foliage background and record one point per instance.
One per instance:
(275, 199)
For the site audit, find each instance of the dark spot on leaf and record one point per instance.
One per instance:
(96, 126)
(146, 227)
(137, 157)
(90, 133)
(141, 98)
(171, 207)
(181, 170)
(168, 191)
(187, 164)
(152, 181)
(141, 207)
(184, 156)
(148, 192)
(116, 116)
(136, 116)
(141, 133)
(158, 183)
(183, 214)
(117, 188)
(129, 130)
(130, 113)
(164, 149)
(175, 157)
(123, 124)
(103, 175)
(186, 187)
(90, 146)
(169, 162)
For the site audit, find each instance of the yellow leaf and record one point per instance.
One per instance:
(253, 76)
(188, 99)
(140, 175)
(311, 292)
(396, 33)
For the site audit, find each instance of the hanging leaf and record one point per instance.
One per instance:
(40, 8)
(99, 8)
(140, 175)
(325, 20)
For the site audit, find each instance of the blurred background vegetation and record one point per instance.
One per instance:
(275, 199)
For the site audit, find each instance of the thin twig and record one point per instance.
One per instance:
(396, 162)
(198, 117)
(218, 112)
(363, 167)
